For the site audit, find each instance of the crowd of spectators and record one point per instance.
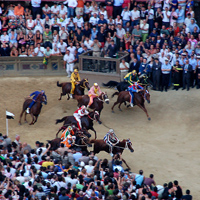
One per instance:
(48, 174)
(162, 29)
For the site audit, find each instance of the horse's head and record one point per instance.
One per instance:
(129, 145)
(86, 141)
(147, 96)
(85, 84)
(41, 98)
(103, 96)
(97, 116)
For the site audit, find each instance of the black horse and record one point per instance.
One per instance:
(86, 121)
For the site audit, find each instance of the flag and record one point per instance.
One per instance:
(9, 115)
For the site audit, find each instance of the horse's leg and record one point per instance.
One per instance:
(25, 117)
(61, 94)
(94, 132)
(21, 117)
(36, 119)
(68, 96)
(32, 119)
(114, 106)
(120, 106)
(144, 109)
(126, 164)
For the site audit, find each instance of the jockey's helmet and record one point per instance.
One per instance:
(75, 70)
(42, 91)
(95, 84)
(134, 72)
(69, 128)
(136, 83)
(83, 107)
(73, 137)
(111, 131)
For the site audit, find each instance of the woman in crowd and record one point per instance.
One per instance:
(37, 38)
(30, 24)
(23, 51)
(21, 39)
(14, 52)
(30, 38)
(31, 52)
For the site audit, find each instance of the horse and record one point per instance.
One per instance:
(79, 88)
(86, 121)
(100, 145)
(35, 109)
(97, 101)
(139, 99)
(82, 141)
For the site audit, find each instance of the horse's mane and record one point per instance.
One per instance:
(83, 80)
(39, 96)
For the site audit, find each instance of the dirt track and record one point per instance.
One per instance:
(167, 146)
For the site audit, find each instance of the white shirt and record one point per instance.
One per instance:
(145, 27)
(187, 21)
(89, 168)
(62, 46)
(46, 9)
(165, 18)
(135, 14)
(125, 15)
(62, 11)
(53, 20)
(104, 14)
(54, 9)
(122, 67)
(36, 3)
(88, 44)
(70, 23)
(150, 14)
(55, 52)
(121, 32)
(71, 3)
(68, 58)
(79, 21)
(72, 49)
(93, 20)
(86, 9)
(39, 52)
(4, 38)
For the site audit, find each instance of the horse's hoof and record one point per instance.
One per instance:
(25, 122)
(149, 118)
(20, 123)
(120, 110)
(113, 111)
(31, 124)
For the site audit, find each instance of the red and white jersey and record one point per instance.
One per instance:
(80, 112)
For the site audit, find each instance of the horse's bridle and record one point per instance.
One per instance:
(82, 145)
(84, 86)
(126, 145)
(93, 119)
(102, 100)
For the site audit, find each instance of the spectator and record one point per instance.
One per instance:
(38, 37)
(96, 47)
(69, 62)
(94, 20)
(55, 23)
(117, 9)
(181, 15)
(47, 38)
(71, 6)
(47, 23)
(4, 38)
(139, 178)
(4, 50)
(39, 51)
(55, 10)
(38, 24)
(56, 51)
(187, 196)
(30, 38)
(23, 51)
(47, 52)
(62, 46)
(14, 52)
(109, 7)
(124, 68)
(78, 20)
(12, 39)
(80, 7)
(30, 24)
(63, 34)
(46, 11)
(19, 10)
(35, 7)
(125, 16)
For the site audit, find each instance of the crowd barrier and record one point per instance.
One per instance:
(33, 66)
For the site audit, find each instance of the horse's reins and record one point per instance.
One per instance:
(84, 86)
(126, 146)
(81, 145)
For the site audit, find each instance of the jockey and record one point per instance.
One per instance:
(65, 133)
(80, 113)
(69, 140)
(93, 92)
(111, 140)
(131, 77)
(134, 88)
(75, 79)
(35, 95)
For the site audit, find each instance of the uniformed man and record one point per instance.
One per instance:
(75, 79)
(69, 60)
(187, 70)
(193, 62)
(166, 69)
(156, 72)
(177, 75)
(198, 72)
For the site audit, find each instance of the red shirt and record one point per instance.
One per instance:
(155, 194)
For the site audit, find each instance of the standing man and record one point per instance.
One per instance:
(156, 72)
(124, 67)
(109, 7)
(35, 7)
(112, 49)
(166, 69)
(71, 6)
(69, 60)
(117, 10)
(187, 70)
(198, 72)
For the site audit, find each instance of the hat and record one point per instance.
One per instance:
(198, 57)
(75, 70)
(95, 84)
(1, 138)
(125, 7)
(166, 59)
(82, 164)
(183, 54)
(134, 71)
(37, 142)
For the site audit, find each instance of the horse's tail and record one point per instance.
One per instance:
(92, 141)
(110, 84)
(60, 120)
(59, 85)
(116, 93)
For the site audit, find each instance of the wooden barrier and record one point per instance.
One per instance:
(33, 66)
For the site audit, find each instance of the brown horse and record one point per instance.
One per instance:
(86, 121)
(100, 145)
(97, 102)
(79, 88)
(139, 99)
(35, 109)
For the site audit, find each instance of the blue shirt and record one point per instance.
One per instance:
(36, 93)
(193, 62)
(166, 66)
(181, 15)
(94, 34)
(118, 2)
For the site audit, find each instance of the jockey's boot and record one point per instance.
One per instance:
(131, 104)
(28, 110)
(71, 96)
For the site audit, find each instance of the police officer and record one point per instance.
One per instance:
(187, 70)
(193, 62)
(156, 72)
(198, 72)
(166, 69)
